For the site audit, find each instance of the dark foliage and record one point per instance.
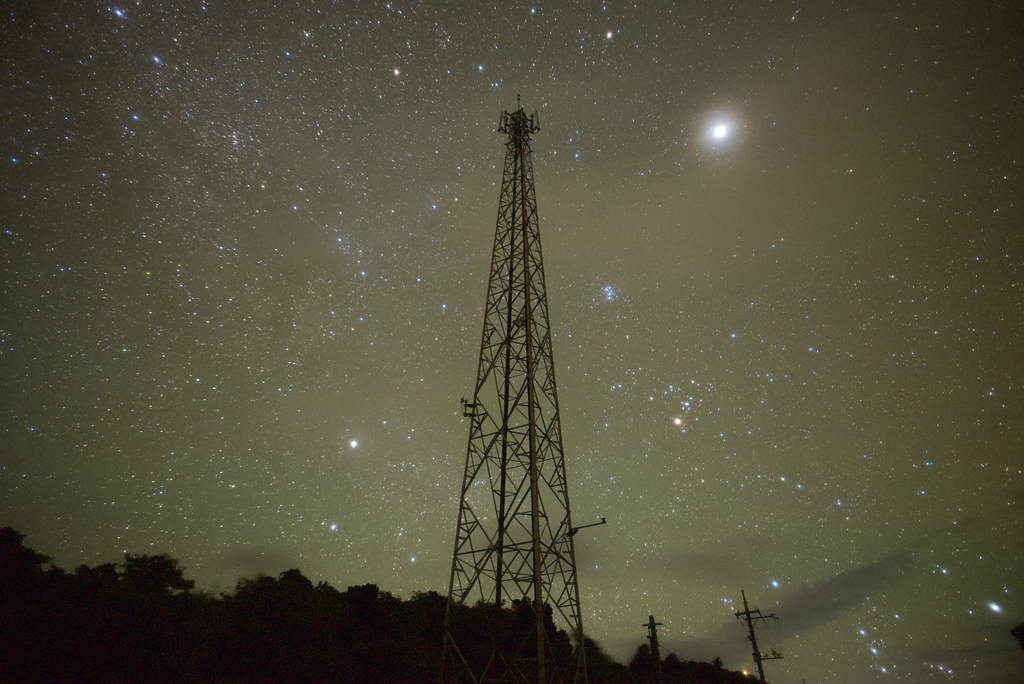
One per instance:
(140, 621)
(644, 668)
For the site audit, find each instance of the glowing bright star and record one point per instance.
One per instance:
(995, 608)
(353, 444)
(397, 72)
(156, 59)
(678, 421)
(775, 583)
(334, 527)
(609, 35)
(720, 131)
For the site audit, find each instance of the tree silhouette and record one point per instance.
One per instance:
(142, 621)
(603, 668)
(23, 604)
(154, 574)
(18, 562)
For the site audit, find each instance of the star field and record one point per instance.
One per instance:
(244, 262)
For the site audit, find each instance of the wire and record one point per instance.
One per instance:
(710, 641)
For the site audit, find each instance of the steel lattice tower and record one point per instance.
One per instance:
(514, 544)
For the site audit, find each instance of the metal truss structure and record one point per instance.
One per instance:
(514, 543)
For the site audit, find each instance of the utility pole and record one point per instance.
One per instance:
(652, 636)
(514, 538)
(749, 616)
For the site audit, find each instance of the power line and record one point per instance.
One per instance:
(710, 641)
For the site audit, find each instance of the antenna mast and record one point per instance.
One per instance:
(514, 539)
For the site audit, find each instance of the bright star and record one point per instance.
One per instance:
(397, 72)
(720, 130)
(353, 444)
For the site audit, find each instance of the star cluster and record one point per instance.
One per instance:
(245, 254)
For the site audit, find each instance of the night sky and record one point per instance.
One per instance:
(244, 261)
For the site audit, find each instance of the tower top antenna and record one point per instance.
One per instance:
(517, 124)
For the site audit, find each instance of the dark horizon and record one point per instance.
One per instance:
(141, 620)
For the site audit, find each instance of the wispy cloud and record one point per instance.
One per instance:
(821, 602)
(251, 561)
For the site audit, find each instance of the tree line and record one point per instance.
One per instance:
(141, 620)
